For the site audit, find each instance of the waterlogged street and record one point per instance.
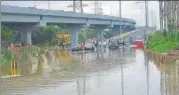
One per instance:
(120, 72)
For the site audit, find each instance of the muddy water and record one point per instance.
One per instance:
(120, 72)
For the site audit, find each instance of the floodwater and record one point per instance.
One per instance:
(120, 72)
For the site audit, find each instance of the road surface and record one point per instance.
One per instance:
(118, 73)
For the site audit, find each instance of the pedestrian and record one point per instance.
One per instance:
(109, 41)
(104, 45)
(84, 45)
(96, 45)
(81, 46)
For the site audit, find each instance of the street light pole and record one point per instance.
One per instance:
(74, 5)
(146, 19)
(120, 16)
(0, 45)
(81, 6)
(48, 4)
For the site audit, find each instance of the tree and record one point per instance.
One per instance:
(62, 31)
(7, 34)
(44, 35)
(108, 33)
(47, 34)
(90, 33)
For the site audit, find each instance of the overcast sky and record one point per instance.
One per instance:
(130, 9)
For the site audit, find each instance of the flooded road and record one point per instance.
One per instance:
(118, 73)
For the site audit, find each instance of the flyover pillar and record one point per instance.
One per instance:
(73, 30)
(27, 29)
(100, 36)
(25, 36)
(100, 32)
(28, 37)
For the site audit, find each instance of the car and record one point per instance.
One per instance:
(75, 48)
(89, 46)
(113, 44)
(104, 43)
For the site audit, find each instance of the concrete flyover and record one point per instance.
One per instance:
(26, 19)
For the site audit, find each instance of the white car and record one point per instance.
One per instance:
(103, 43)
(89, 46)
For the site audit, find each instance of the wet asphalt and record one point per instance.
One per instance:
(119, 72)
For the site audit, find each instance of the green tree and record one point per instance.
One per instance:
(44, 35)
(7, 34)
(108, 33)
(47, 34)
(62, 30)
(90, 33)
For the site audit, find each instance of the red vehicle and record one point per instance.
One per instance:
(139, 44)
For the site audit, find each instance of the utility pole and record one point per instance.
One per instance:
(165, 19)
(48, 4)
(159, 2)
(81, 6)
(0, 46)
(98, 10)
(74, 5)
(146, 19)
(161, 15)
(120, 16)
(77, 6)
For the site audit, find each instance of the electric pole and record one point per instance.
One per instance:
(48, 4)
(160, 15)
(81, 6)
(0, 46)
(98, 10)
(77, 6)
(120, 16)
(74, 5)
(146, 19)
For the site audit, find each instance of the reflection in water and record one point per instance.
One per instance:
(168, 76)
(122, 73)
(80, 81)
(122, 82)
(147, 73)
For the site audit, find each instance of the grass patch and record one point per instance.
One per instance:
(162, 44)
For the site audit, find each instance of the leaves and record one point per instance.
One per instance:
(90, 33)
(7, 33)
(47, 34)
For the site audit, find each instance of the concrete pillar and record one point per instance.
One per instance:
(25, 36)
(100, 36)
(73, 30)
(100, 31)
(29, 37)
(22, 36)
